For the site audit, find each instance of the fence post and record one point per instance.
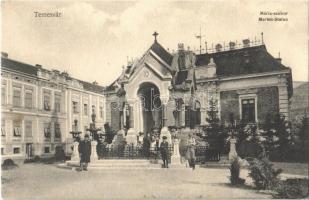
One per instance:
(75, 154)
(232, 153)
(175, 158)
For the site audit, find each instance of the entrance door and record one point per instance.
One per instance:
(29, 150)
(151, 112)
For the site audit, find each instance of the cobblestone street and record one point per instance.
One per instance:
(40, 181)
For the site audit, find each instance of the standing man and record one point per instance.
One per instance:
(164, 151)
(191, 151)
(84, 149)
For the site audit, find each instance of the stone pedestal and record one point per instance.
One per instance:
(75, 153)
(232, 153)
(165, 132)
(131, 138)
(94, 155)
(175, 158)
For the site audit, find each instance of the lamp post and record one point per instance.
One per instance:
(76, 136)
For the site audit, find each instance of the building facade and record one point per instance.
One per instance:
(156, 92)
(39, 107)
(164, 89)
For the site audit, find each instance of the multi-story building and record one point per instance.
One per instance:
(39, 107)
(157, 91)
(165, 89)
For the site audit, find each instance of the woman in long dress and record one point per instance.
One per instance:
(191, 151)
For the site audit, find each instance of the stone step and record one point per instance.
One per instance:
(215, 165)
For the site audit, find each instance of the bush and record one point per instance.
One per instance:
(235, 170)
(37, 159)
(262, 173)
(292, 188)
(8, 164)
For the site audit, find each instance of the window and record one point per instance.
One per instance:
(46, 149)
(93, 110)
(57, 102)
(3, 95)
(101, 111)
(28, 128)
(47, 130)
(187, 116)
(197, 113)
(85, 109)
(57, 130)
(2, 151)
(248, 110)
(17, 128)
(16, 150)
(28, 99)
(47, 100)
(17, 97)
(75, 107)
(2, 127)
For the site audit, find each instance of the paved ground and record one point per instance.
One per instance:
(41, 181)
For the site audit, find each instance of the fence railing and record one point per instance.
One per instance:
(202, 153)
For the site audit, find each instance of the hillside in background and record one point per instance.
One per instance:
(300, 100)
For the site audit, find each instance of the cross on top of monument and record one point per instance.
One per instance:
(155, 34)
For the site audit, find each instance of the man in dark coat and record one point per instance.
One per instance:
(84, 149)
(164, 151)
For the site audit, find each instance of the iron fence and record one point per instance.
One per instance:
(202, 153)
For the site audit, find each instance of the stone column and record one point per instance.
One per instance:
(75, 154)
(175, 159)
(232, 153)
(283, 97)
(94, 155)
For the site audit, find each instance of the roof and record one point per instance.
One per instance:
(18, 66)
(32, 70)
(92, 87)
(241, 61)
(162, 53)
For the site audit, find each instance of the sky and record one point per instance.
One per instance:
(92, 40)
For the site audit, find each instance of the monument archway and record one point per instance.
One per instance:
(151, 109)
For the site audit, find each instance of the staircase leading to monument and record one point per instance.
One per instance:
(114, 164)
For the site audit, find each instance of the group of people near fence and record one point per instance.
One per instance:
(84, 149)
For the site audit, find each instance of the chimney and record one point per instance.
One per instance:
(181, 47)
(246, 43)
(4, 55)
(38, 66)
(95, 83)
(278, 60)
(232, 45)
(218, 47)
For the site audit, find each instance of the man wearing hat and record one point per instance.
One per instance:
(164, 151)
(84, 149)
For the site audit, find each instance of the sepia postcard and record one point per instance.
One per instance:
(154, 99)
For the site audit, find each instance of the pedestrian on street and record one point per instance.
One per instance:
(164, 151)
(191, 151)
(84, 149)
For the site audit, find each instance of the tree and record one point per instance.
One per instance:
(214, 134)
(303, 135)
